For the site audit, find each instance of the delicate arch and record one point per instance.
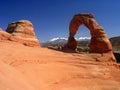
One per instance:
(99, 41)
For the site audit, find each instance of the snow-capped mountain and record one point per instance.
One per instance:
(82, 38)
(63, 40)
(58, 39)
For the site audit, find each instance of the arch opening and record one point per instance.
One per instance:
(83, 38)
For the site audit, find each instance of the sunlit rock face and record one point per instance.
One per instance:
(23, 30)
(4, 35)
(99, 41)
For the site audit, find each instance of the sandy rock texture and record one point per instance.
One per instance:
(35, 68)
(23, 31)
(99, 41)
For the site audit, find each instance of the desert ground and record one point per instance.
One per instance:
(36, 68)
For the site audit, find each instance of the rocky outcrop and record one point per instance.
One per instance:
(6, 36)
(99, 41)
(71, 44)
(23, 31)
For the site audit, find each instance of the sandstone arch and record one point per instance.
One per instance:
(99, 41)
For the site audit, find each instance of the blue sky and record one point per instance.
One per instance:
(51, 18)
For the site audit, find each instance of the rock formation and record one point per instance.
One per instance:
(23, 31)
(99, 41)
(6, 36)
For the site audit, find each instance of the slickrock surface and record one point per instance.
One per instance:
(34, 68)
(11, 79)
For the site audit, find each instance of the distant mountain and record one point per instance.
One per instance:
(82, 41)
(83, 38)
(55, 42)
(115, 41)
(58, 39)
(61, 41)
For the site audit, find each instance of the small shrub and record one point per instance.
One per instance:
(83, 49)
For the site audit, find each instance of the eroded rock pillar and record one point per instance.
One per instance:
(73, 27)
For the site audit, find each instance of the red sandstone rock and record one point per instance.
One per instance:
(11, 79)
(99, 41)
(23, 31)
(71, 46)
(23, 68)
(5, 36)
